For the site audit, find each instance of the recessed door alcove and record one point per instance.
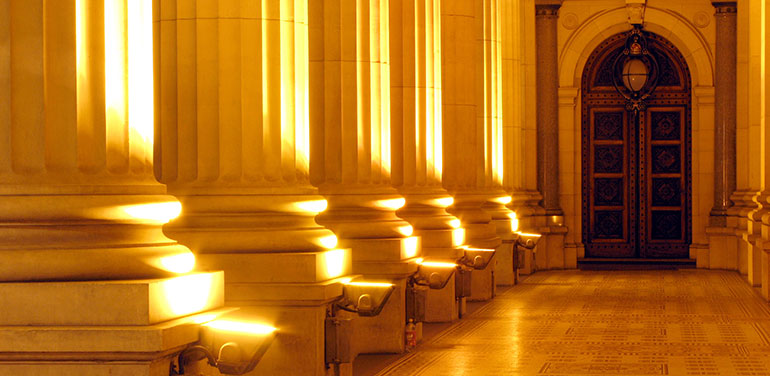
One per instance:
(637, 172)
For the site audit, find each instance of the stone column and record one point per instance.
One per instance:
(724, 110)
(82, 253)
(416, 123)
(494, 50)
(472, 130)
(351, 159)
(232, 91)
(546, 18)
(520, 121)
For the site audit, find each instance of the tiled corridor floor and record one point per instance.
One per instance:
(688, 322)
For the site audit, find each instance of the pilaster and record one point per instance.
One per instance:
(550, 249)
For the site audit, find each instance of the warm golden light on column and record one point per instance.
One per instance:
(140, 76)
(115, 73)
(81, 32)
(335, 261)
(301, 87)
(295, 120)
(493, 87)
(187, 294)
(379, 90)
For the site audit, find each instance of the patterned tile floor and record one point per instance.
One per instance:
(687, 322)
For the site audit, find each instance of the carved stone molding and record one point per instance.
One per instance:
(547, 10)
(725, 7)
(635, 9)
(570, 21)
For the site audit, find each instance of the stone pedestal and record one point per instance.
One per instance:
(550, 252)
(121, 327)
(483, 283)
(504, 221)
(439, 241)
(505, 274)
(442, 305)
(723, 248)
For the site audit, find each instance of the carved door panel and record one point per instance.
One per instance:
(612, 183)
(665, 181)
(637, 183)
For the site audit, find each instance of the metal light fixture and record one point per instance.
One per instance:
(478, 258)
(636, 71)
(526, 240)
(365, 298)
(434, 274)
(523, 241)
(463, 282)
(238, 345)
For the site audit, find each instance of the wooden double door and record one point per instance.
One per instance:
(637, 165)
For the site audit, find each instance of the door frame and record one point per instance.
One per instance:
(596, 96)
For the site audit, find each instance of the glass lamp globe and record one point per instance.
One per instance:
(634, 75)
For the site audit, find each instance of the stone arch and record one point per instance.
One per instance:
(670, 25)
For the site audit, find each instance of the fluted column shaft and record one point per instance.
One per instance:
(73, 166)
(416, 121)
(724, 109)
(350, 103)
(234, 130)
(546, 18)
(471, 114)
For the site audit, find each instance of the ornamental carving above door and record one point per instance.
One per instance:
(636, 172)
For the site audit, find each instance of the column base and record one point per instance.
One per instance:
(383, 333)
(550, 252)
(505, 275)
(722, 250)
(103, 327)
(753, 259)
(441, 305)
(483, 283)
(765, 279)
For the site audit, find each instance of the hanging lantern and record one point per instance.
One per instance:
(636, 70)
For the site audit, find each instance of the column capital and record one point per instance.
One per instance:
(547, 8)
(725, 7)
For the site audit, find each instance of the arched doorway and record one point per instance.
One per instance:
(636, 173)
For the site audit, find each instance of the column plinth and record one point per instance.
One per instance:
(723, 246)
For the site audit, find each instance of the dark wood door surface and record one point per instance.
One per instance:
(636, 166)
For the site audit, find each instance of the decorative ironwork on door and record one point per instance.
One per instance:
(636, 173)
